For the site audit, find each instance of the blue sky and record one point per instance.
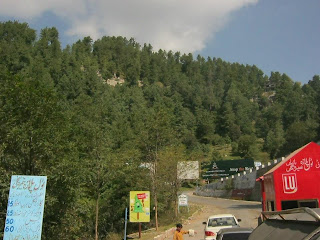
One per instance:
(275, 35)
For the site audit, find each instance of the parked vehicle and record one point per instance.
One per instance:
(297, 224)
(218, 222)
(239, 233)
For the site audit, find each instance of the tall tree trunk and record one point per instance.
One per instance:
(156, 185)
(97, 205)
(156, 210)
(97, 216)
(175, 200)
(154, 190)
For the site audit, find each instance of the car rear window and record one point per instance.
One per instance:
(224, 221)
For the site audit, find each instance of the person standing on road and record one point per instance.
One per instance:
(178, 234)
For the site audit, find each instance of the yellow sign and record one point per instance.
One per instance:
(139, 206)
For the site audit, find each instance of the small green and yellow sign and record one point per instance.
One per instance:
(139, 206)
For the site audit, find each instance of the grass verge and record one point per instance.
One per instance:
(183, 216)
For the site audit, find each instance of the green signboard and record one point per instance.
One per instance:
(225, 168)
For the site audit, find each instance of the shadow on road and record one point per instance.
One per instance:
(250, 206)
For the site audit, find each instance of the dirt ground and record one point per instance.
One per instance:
(195, 223)
(247, 211)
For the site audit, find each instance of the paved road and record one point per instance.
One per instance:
(247, 211)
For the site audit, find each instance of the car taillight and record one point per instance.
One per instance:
(208, 233)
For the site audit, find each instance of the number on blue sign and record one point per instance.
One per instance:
(10, 213)
(9, 221)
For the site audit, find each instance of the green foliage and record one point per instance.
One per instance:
(299, 134)
(216, 156)
(275, 140)
(247, 146)
(59, 118)
(16, 41)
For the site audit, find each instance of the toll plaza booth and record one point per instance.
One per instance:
(294, 182)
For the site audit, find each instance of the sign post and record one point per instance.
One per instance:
(182, 201)
(139, 207)
(125, 224)
(25, 207)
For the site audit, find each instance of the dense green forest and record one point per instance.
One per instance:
(60, 118)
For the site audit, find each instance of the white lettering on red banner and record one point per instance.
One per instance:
(289, 183)
(305, 164)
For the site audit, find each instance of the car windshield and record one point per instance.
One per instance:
(235, 236)
(223, 221)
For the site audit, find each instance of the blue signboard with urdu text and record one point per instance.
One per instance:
(25, 208)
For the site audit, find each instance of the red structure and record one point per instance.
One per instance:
(294, 182)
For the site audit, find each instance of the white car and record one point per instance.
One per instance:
(217, 222)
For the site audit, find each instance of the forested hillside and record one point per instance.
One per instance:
(60, 118)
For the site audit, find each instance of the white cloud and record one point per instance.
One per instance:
(178, 25)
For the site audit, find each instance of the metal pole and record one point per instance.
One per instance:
(139, 229)
(125, 224)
